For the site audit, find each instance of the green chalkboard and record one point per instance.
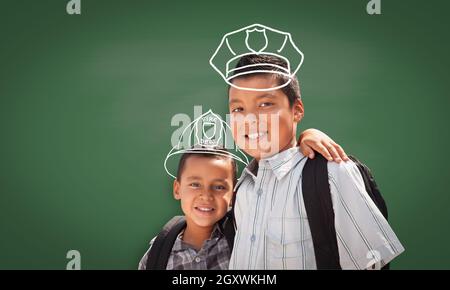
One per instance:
(86, 103)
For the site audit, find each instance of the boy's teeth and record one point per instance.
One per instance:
(253, 136)
(204, 208)
(256, 135)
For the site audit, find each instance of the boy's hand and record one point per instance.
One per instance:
(312, 139)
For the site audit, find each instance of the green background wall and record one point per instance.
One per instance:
(86, 102)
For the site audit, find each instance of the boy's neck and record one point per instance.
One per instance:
(292, 143)
(196, 235)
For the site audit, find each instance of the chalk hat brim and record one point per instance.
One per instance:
(260, 68)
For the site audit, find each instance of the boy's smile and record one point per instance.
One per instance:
(263, 123)
(257, 135)
(204, 210)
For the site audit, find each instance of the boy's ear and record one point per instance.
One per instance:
(298, 110)
(176, 189)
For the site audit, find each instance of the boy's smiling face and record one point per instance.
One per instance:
(263, 122)
(205, 189)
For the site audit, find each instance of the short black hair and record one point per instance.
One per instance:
(247, 63)
(217, 152)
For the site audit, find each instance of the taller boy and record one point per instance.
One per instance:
(272, 225)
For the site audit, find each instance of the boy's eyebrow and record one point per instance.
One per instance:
(214, 180)
(234, 101)
(268, 95)
(220, 179)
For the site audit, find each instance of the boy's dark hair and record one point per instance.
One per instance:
(217, 152)
(247, 62)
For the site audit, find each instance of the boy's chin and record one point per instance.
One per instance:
(260, 153)
(204, 223)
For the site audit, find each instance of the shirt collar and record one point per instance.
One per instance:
(180, 245)
(280, 164)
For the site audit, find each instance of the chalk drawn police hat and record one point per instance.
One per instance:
(256, 39)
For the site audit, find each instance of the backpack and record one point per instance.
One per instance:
(319, 208)
(161, 248)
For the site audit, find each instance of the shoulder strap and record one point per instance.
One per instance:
(319, 209)
(229, 222)
(371, 186)
(162, 246)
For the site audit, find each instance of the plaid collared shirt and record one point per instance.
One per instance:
(214, 254)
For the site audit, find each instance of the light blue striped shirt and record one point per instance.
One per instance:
(272, 226)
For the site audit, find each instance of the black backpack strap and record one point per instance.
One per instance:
(159, 253)
(371, 186)
(319, 209)
(227, 226)
(229, 222)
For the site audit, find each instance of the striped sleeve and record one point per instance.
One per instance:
(365, 239)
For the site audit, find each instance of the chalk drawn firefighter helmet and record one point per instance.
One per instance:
(208, 134)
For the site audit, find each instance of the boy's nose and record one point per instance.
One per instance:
(206, 195)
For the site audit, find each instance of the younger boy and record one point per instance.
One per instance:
(273, 228)
(204, 185)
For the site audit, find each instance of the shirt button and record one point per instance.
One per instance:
(259, 192)
(197, 259)
(253, 238)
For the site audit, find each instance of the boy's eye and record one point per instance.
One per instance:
(237, 110)
(219, 187)
(266, 104)
(194, 184)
